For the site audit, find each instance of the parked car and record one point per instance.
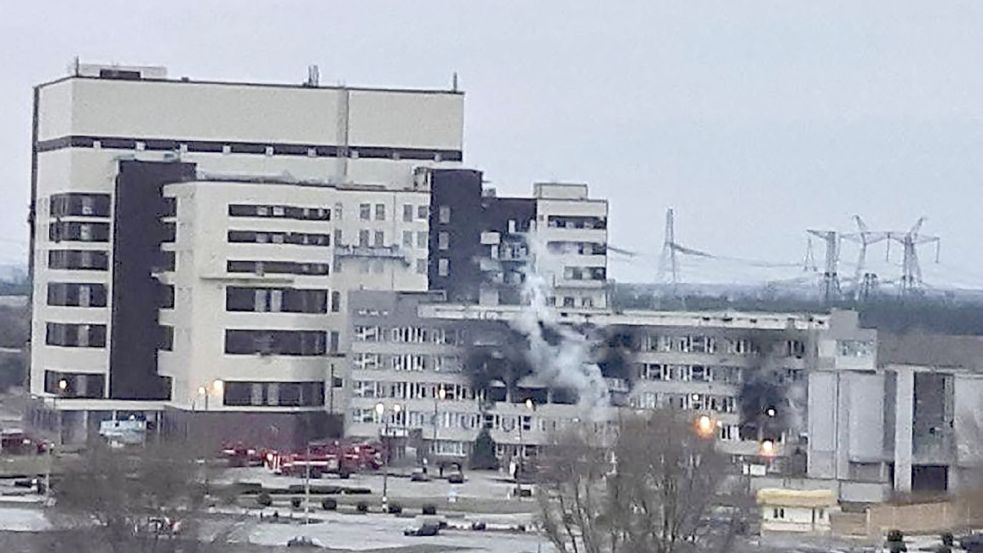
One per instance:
(304, 542)
(419, 476)
(425, 529)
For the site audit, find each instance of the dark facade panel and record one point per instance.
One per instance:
(137, 233)
(455, 199)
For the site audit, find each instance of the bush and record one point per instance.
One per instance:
(264, 499)
(329, 504)
(362, 507)
(429, 509)
(394, 508)
(295, 502)
(478, 525)
(483, 453)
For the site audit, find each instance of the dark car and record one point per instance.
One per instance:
(303, 542)
(456, 477)
(972, 543)
(425, 529)
(419, 476)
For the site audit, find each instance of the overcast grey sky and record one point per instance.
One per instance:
(754, 119)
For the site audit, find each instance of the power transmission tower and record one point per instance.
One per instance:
(668, 260)
(911, 271)
(831, 280)
(809, 262)
(862, 281)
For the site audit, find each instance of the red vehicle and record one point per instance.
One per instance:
(332, 458)
(14, 441)
(239, 455)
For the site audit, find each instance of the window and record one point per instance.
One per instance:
(569, 301)
(78, 260)
(75, 335)
(165, 338)
(407, 239)
(443, 266)
(78, 232)
(335, 301)
(281, 211)
(363, 238)
(423, 212)
(421, 266)
(380, 238)
(380, 212)
(854, 348)
(421, 239)
(276, 267)
(275, 300)
(368, 361)
(79, 204)
(367, 334)
(287, 394)
(444, 214)
(275, 342)
(443, 241)
(77, 385)
(778, 512)
(365, 211)
(70, 294)
(407, 213)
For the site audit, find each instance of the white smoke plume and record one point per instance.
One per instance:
(566, 363)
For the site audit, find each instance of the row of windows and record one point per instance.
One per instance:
(689, 373)
(76, 294)
(579, 248)
(280, 300)
(407, 334)
(89, 260)
(212, 146)
(854, 348)
(411, 390)
(572, 221)
(695, 402)
(584, 273)
(280, 211)
(79, 204)
(78, 232)
(299, 238)
(713, 344)
(273, 394)
(422, 212)
(407, 362)
(420, 242)
(75, 385)
(75, 335)
(301, 343)
(278, 267)
(570, 301)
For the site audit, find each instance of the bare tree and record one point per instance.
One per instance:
(653, 486)
(127, 500)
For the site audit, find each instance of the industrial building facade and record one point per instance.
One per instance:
(237, 213)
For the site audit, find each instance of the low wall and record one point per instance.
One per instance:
(962, 512)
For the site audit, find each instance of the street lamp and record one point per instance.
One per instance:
(217, 387)
(438, 397)
(380, 410)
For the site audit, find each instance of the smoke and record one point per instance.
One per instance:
(565, 360)
(770, 404)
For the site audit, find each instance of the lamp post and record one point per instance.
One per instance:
(216, 387)
(438, 397)
(380, 410)
(62, 388)
(520, 466)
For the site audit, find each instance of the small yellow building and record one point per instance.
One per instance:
(796, 510)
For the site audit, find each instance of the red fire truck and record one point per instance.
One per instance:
(240, 455)
(333, 458)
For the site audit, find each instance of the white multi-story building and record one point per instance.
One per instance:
(165, 210)
(453, 369)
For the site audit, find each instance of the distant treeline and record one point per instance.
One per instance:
(895, 314)
(14, 288)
